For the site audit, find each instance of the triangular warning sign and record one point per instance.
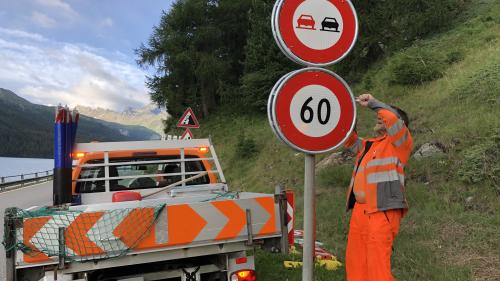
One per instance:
(187, 135)
(188, 120)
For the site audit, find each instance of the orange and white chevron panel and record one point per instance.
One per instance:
(108, 233)
(212, 222)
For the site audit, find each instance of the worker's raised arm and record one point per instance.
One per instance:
(393, 122)
(354, 143)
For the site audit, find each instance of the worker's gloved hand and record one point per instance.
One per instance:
(364, 99)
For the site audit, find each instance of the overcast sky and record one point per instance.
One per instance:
(76, 51)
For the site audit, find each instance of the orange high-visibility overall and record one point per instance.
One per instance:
(376, 195)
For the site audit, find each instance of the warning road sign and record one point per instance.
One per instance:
(312, 110)
(188, 120)
(315, 32)
(187, 135)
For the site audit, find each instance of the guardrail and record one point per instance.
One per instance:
(18, 181)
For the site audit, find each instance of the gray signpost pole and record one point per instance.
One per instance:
(309, 218)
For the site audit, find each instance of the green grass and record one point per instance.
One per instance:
(452, 231)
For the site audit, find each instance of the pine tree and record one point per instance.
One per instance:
(264, 61)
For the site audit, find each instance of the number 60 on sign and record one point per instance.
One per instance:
(312, 110)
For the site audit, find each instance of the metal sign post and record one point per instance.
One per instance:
(309, 218)
(312, 109)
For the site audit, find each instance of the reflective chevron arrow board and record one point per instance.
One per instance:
(290, 207)
(109, 233)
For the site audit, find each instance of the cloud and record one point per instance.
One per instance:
(107, 22)
(21, 34)
(42, 20)
(49, 72)
(59, 6)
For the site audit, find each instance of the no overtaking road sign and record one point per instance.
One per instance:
(315, 32)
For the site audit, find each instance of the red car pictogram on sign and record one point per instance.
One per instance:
(306, 22)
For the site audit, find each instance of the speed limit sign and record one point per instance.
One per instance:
(312, 110)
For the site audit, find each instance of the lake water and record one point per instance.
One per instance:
(15, 166)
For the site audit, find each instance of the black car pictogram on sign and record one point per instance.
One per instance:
(330, 24)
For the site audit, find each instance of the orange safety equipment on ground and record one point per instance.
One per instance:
(369, 244)
(378, 176)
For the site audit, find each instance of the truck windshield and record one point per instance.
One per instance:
(135, 176)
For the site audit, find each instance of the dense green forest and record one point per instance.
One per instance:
(221, 53)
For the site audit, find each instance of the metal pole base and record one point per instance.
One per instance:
(309, 219)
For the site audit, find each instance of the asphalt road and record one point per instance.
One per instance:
(35, 195)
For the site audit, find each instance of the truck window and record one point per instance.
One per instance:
(143, 170)
(91, 173)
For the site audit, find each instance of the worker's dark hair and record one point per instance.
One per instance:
(402, 114)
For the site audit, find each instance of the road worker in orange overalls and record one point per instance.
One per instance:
(376, 192)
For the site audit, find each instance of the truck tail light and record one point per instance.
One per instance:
(244, 275)
(241, 260)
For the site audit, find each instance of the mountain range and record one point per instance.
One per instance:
(27, 129)
(149, 116)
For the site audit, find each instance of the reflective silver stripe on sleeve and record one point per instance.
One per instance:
(376, 105)
(394, 129)
(401, 140)
(382, 161)
(402, 179)
(383, 177)
(356, 146)
(359, 194)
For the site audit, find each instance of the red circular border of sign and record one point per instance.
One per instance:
(284, 100)
(335, 52)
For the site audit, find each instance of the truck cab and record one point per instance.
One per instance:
(100, 171)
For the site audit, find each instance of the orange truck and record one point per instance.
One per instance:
(147, 210)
